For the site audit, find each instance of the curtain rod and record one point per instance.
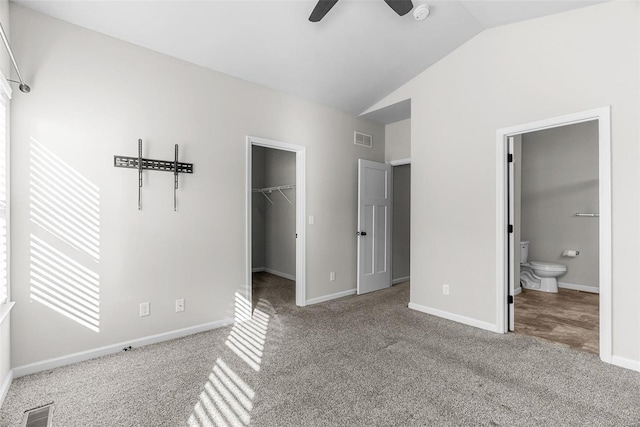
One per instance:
(23, 86)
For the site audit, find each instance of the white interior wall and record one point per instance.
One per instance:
(280, 217)
(93, 96)
(559, 178)
(506, 76)
(5, 326)
(397, 140)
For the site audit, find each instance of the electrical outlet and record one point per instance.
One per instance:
(144, 309)
(312, 220)
(179, 305)
(332, 276)
(445, 289)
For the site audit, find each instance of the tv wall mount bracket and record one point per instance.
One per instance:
(141, 164)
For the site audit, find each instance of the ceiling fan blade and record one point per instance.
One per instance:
(401, 7)
(321, 9)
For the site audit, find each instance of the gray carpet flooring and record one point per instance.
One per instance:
(357, 361)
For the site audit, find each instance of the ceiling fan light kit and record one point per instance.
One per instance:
(401, 7)
(421, 12)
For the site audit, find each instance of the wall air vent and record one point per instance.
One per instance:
(362, 139)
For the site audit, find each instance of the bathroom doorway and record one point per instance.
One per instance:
(556, 264)
(557, 208)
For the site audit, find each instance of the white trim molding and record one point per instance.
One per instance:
(400, 280)
(337, 295)
(5, 387)
(454, 317)
(603, 116)
(623, 362)
(57, 362)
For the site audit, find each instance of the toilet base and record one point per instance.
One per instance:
(543, 284)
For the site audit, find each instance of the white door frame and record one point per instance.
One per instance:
(300, 213)
(603, 116)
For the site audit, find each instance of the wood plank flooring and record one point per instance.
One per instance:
(568, 317)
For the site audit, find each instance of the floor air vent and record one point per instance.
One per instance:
(39, 416)
(362, 139)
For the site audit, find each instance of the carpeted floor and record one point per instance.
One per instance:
(357, 361)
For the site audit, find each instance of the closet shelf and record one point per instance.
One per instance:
(279, 188)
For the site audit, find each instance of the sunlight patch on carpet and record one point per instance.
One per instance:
(226, 399)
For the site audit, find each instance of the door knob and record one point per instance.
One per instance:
(361, 233)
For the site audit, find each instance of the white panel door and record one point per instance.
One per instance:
(374, 226)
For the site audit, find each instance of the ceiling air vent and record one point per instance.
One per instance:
(362, 139)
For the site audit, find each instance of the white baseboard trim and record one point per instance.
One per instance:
(57, 362)
(332, 296)
(274, 272)
(5, 387)
(279, 273)
(455, 317)
(517, 290)
(583, 288)
(626, 363)
(400, 280)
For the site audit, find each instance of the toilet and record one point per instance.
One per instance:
(538, 275)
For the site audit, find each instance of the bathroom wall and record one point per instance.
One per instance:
(560, 178)
(401, 237)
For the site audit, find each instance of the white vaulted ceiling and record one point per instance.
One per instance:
(360, 52)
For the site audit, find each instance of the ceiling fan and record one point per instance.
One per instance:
(401, 7)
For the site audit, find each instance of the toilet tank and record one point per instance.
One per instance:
(524, 251)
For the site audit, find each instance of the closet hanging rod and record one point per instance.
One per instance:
(23, 86)
(272, 189)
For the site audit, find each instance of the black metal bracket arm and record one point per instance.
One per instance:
(141, 164)
(157, 165)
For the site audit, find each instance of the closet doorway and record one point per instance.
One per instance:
(275, 222)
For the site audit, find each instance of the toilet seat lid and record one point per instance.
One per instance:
(547, 266)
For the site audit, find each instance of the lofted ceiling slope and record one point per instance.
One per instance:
(360, 52)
